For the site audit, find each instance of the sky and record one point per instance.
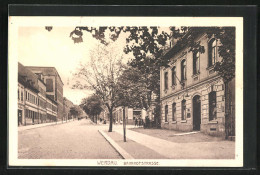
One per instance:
(39, 47)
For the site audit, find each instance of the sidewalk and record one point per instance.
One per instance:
(22, 128)
(192, 150)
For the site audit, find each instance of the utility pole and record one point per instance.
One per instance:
(124, 124)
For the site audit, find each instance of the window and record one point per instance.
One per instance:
(183, 109)
(26, 95)
(18, 95)
(166, 80)
(166, 113)
(196, 57)
(212, 106)
(173, 76)
(22, 95)
(212, 52)
(174, 112)
(183, 70)
(49, 85)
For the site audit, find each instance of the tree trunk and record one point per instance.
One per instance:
(110, 120)
(227, 122)
(124, 124)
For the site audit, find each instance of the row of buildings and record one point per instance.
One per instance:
(40, 96)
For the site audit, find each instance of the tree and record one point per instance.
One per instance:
(101, 75)
(74, 111)
(92, 106)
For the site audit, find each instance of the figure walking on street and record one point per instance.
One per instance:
(136, 122)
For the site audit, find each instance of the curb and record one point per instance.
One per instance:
(50, 124)
(120, 150)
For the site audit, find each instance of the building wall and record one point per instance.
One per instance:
(200, 84)
(57, 84)
(21, 102)
(35, 107)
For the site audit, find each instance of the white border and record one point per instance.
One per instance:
(16, 22)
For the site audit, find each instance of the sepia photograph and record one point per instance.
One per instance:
(125, 91)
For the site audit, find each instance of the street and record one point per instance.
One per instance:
(72, 140)
(82, 140)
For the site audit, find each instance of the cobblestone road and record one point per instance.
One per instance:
(73, 140)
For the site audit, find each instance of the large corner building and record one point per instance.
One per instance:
(192, 94)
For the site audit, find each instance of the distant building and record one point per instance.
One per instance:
(54, 85)
(130, 114)
(67, 104)
(192, 94)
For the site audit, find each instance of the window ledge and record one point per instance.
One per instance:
(183, 121)
(195, 75)
(173, 87)
(210, 67)
(166, 122)
(213, 122)
(174, 121)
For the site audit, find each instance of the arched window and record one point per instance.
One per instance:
(173, 76)
(183, 69)
(166, 113)
(183, 109)
(174, 112)
(196, 57)
(212, 52)
(166, 80)
(212, 106)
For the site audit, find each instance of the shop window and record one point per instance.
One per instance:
(166, 113)
(212, 57)
(183, 109)
(196, 57)
(166, 80)
(173, 76)
(212, 106)
(174, 112)
(183, 70)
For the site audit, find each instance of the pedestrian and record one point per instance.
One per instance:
(146, 122)
(136, 122)
(139, 122)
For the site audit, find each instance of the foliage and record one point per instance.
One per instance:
(74, 111)
(148, 44)
(92, 105)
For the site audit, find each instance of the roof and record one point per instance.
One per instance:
(46, 71)
(181, 44)
(27, 78)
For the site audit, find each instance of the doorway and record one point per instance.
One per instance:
(20, 115)
(196, 112)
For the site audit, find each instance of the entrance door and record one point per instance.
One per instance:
(20, 115)
(196, 113)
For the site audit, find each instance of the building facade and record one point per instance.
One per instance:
(192, 94)
(34, 105)
(54, 85)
